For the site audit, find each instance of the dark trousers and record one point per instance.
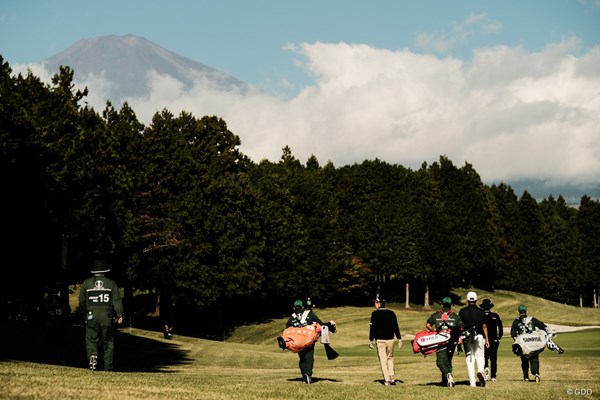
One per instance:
(99, 339)
(491, 357)
(533, 362)
(443, 360)
(307, 360)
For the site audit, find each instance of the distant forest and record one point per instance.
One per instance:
(185, 218)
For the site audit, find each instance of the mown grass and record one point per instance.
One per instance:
(353, 322)
(250, 366)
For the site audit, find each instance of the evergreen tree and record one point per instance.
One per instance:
(505, 220)
(587, 276)
(559, 249)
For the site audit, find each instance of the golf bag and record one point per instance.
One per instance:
(296, 339)
(300, 338)
(427, 342)
(531, 343)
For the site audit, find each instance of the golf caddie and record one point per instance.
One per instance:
(524, 325)
(446, 320)
(100, 302)
(306, 320)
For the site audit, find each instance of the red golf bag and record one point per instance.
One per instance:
(427, 342)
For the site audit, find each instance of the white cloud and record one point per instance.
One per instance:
(510, 113)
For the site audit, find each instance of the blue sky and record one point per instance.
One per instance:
(509, 86)
(250, 39)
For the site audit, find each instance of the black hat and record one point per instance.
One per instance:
(486, 304)
(99, 267)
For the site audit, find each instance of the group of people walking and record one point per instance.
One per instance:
(476, 328)
(479, 329)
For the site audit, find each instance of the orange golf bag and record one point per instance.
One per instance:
(296, 339)
(300, 338)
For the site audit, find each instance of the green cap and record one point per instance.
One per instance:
(298, 303)
(447, 300)
(522, 308)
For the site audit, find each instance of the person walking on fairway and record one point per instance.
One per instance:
(495, 332)
(299, 318)
(477, 341)
(521, 325)
(383, 328)
(100, 301)
(445, 320)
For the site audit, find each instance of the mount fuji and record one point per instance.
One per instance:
(122, 67)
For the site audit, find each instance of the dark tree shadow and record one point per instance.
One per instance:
(30, 342)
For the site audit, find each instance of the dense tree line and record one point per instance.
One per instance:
(179, 211)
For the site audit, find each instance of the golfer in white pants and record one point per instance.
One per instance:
(473, 318)
(475, 353)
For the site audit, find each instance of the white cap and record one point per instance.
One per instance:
(471, 296)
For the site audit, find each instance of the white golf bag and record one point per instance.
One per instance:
(531, 343)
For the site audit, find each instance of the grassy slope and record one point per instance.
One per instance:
(353, 322)
(250, 366)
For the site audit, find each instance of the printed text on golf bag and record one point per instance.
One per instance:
(301, 338)
(427, 342)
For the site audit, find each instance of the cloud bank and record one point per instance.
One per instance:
(511, 113)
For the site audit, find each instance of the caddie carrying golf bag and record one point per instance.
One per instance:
(427, 342)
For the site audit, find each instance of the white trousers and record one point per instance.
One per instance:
(475, 352)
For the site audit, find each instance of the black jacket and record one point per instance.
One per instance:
(384, 325)
(494, 326)
(473, 317)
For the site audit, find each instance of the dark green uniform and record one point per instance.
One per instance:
(441, 320)
(307, 357)
(520, 326)
(100, 301)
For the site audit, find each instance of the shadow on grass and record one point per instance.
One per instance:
(382, 382)
(313, 379)
(457, 383)
(30, 342)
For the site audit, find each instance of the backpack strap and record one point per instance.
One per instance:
(304, 316)
(523, 324)
(445, 314)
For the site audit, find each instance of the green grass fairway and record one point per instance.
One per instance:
(251, 366)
